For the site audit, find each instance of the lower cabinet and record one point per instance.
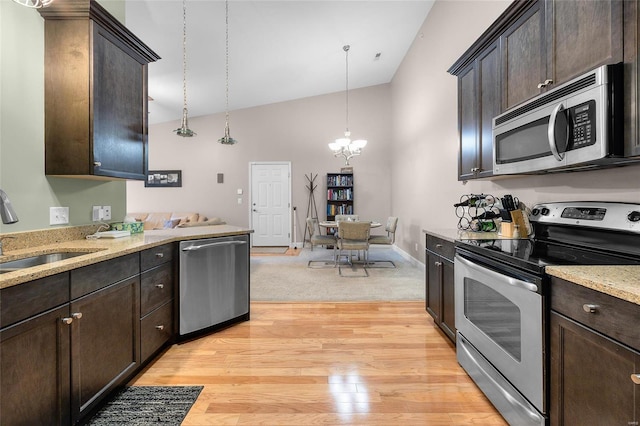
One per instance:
(592, 366)
(35, 370)
(68, 340)
(439, 289)
(104, 342)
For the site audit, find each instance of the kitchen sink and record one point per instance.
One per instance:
(42, 259)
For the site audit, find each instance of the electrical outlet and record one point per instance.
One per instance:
(106, 212)
(58, 215)
(96, 214)
(239, 200)
(416, 246)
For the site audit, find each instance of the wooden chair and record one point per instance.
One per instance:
(389, 239)
(353, 236)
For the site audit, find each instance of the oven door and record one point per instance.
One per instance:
(499, 314)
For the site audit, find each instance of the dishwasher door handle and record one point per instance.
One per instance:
(221, 244)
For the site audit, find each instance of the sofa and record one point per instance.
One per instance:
(169, 220)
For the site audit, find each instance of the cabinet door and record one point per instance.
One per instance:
(34, 371)
(590, 377)
(581, 35)
(468, 123)
(490, 106)
(434, 287)
(523, 60)
(105, 342)
(119, 101)
(448, 305)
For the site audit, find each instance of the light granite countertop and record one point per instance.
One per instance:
(622, 282)
(98, 250)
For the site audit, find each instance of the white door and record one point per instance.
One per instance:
(270, 204)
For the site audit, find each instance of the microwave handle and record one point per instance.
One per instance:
(551, 130)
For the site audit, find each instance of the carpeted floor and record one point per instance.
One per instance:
(147, 406)
(287, 279)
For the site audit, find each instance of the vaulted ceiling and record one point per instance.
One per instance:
(278, 50)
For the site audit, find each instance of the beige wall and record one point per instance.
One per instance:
(295, 131)
(424, 108)
(22, 130)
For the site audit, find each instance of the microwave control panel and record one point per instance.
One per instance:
(583, 120)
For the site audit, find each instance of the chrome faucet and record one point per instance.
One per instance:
(3, 238)
(6, 209)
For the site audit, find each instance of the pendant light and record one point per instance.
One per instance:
(184, 129)
(345, 147)
(36, 4)
(227, 139)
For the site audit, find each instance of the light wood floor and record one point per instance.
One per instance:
(326, 364)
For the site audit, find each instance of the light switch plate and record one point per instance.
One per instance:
(96, 214)
(58, 215)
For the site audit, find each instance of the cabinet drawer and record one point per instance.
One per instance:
(156, 288)
(94, 277)
(25, 300)
(153, 257)
(440, 247)
(613, 317)
(156, 329)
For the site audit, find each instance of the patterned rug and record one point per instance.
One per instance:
(147, 405)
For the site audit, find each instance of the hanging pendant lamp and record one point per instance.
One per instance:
(227, 139)
(345, 147)
(184, 129)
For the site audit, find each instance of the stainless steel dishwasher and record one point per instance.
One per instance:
(214, 283)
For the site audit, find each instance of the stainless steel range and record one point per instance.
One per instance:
(501, 293)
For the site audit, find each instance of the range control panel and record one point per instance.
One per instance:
(605, 215)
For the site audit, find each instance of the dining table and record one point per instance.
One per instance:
(334, 224)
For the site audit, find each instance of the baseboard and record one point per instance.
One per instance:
(408, 257)
(296, 245)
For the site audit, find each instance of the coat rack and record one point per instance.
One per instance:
(311, 205)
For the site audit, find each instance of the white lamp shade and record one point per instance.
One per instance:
(360, 143)
(343, 142)
(334, 146)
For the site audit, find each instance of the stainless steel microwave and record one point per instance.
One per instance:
(578, 124)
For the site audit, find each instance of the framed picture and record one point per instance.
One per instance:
(164, 178)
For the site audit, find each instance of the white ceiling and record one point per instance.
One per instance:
(278, 50)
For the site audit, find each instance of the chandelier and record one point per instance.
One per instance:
(184, 129)
(345, 147)
(227, 139)
(36, 4)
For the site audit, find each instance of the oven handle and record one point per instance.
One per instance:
(509, 280)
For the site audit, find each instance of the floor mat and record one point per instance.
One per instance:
(147, 405)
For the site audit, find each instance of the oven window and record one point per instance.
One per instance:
(495, 315)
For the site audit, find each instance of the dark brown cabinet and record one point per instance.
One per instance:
(534, 46)
(157, 285)
(479, 101)
(594, 353)
(95, 94)
(34, 353)
(439, 288)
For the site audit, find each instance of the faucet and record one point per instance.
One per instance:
(6, 209)
(3, 238)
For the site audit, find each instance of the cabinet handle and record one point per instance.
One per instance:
(67, 320)
(161, 286)
(160, 327)
(438, 264)
(76, 315)
(97, 163)
(635, 378)
(545, 84)
(590, 308)
(438, 245)
(159, 255)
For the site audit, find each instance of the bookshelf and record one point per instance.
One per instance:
(339, 194)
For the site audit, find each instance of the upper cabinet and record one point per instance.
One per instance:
(532, 47)
(95, 94)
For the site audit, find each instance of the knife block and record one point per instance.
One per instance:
(521, 221)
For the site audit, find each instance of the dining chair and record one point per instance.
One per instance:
(348, 217)
(389, 239)
(353, 236)
(316, 238)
